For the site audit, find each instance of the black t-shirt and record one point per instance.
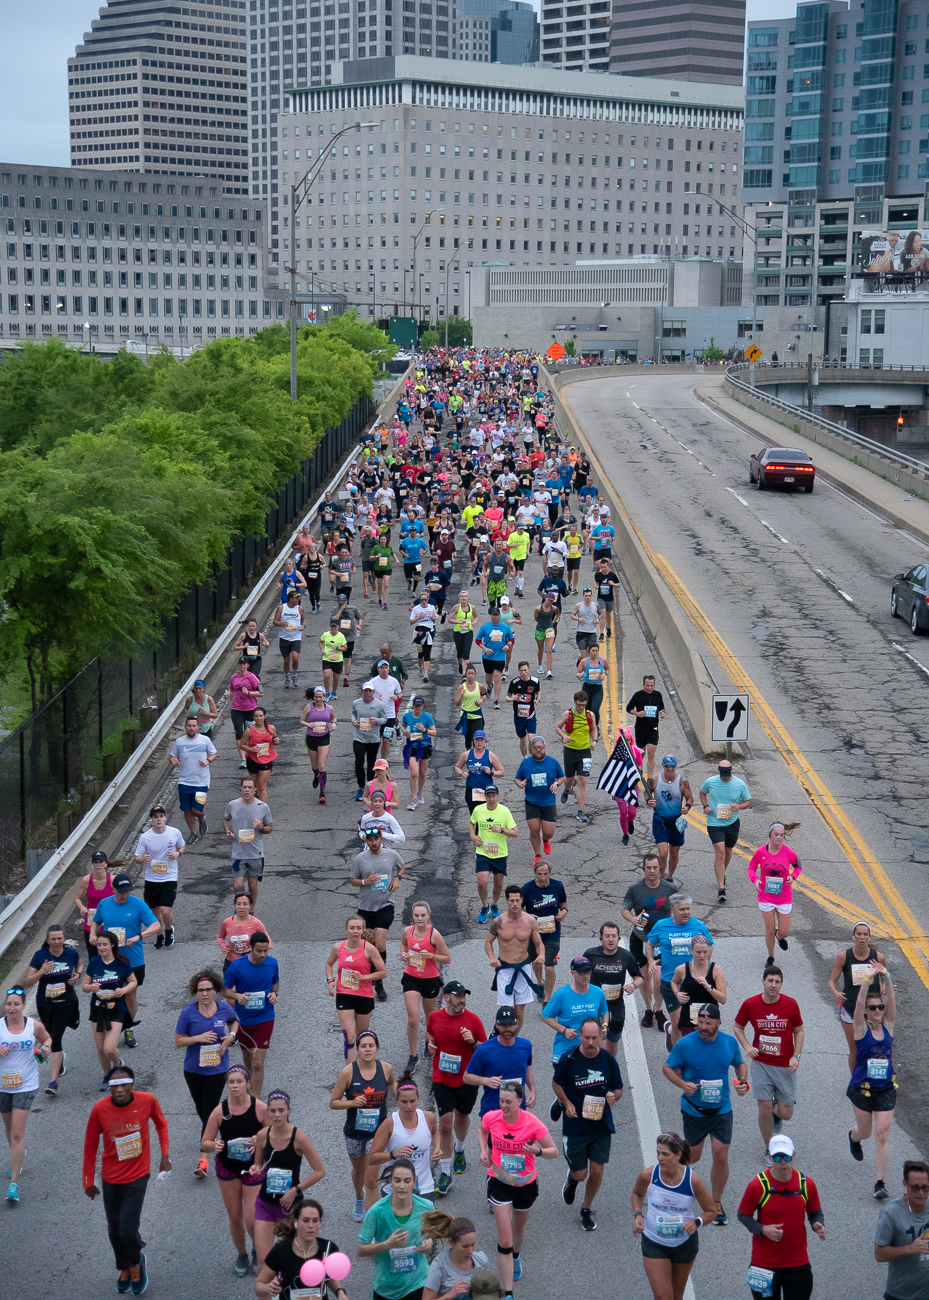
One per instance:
(523, 696)
(283, 1260)
(620, 968)
(584, 1077)
(606, 592)
(655, 901)
(642, 701)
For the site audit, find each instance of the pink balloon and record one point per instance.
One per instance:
(312, 1272)
(338, 1265)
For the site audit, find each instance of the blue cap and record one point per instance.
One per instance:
(669, 761)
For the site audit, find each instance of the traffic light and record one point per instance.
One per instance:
(899, 421)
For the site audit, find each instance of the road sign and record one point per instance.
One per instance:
(730, 717)
(555, 352)
(753, 352)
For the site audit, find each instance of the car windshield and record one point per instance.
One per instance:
(786, 453)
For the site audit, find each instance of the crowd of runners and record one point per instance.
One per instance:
(501, 534)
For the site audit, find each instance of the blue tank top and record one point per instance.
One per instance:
(874, 1064)
(478, 779)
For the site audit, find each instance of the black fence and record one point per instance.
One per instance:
(54, 766)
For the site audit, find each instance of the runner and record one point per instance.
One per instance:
(381, 784)
(545, 616)
(318, 717)
(776, 1207)
(616, 972)
(110, 979)
(593, 672)
(392, 1235)
(546, 900)
(201, 706)
(311, 566)
(250, 643)
(492, 640)
(587, 1083)
(56, 968)
(469, 697)
(722, 796)
(368, 718)
(566, 1011)
(586, 615)
(902, 1231)
(291, 580)
(23, 1043)
(573, 542)
(122, 1121)
(503, 1058)
(541, 777)
(452, 1033)
(517, 545)
(520, 949)
(491, 824)
(350, 624)
(290, 617)
(408, 1134)
(873, 1086)
(672, 936)
(376, 874)
(159, 849)
(647, 707)
(498, 566)
(280, 1148)
(773, 869)
(699, 1064)
(775, 1051)
(511, 1139)
(245, 689)
(383, 559)
(455, 1271)
(524, 692)
(94, 887)
(245, 821)
(853, 966)
(206, 1029)
(671, 799)
(192, 754)
(257, 746)
(420, 730)
(698, 981)
(608, 585)
(577, 728)
(230, 1134)
(391, 831)
(361, 1090)
(662, 1204)
(461, 620)
(332, 647)
(131, 921)
(236, 930)
(483, 768)
(297, 1240)
(387, 689)
(252, 983)
(357, 965)
(423, 950)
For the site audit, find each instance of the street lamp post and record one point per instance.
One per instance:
(429, 216)
(299, 192)
(448, 272)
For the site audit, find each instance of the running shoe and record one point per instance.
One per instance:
(581, 817)
(546, 846)
(782, 944)
(854, 1147)
(286, 682)
(494, 912)
(420, 798)
(537, 859)
(103, 1085)
(721, 896)
(776, 1122)
(254, 1258)
(564, 796)
(443, 1183)
(358, 1210)
(426, 679)
(769, 962)
(334, 695)
(569, 1189)
(359, 796)
(139, 1275)
(241, 1266)
(722, 1218)
(588, 1222)
(556, 1110)
(517, 1268)
(315, 780)
(609, 633)
(191, 839)
(243, 764)
(123, 1282)
(379, 991)
(519, 593)
(344, 681)
(169, 937)
(648, 1019)
(496, 704)
(51, 1088)
(160, 941)
(12, 1192)
(483, 602)
(483, 915)
(411, 1062)
(412, 805)
(322, 798)
(660, 1021)
(625, 839)
(129, 1038)
(203, 828)
(880, 1191)
(549, 674)
(459, 1163)
(203, 1168)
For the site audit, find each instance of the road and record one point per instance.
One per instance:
(305, 899)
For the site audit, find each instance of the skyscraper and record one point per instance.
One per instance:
(685, 40)
(582, 44)
(497, 31)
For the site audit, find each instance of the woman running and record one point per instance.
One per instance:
(511, 1139)
(773, 869)
(483, 768)
(461, 620)
(56, 969)
(546, 629)
(19, 1077)
(450, 1272)
(420, 730)
(628, 807)
(361, 1091)
(592, 672)
(392, 1235)
(320, 721)
(92, 888)
(245, 689)
(423, 950)
(297, 1239)
(109, 978)
(852, 965)
(310, 567)
(280, 1148)
(206, 1029)
(251, 643)
(469, 697)
(236, 930)
(410, 1133)
(381, 783)
(873, 1087)
(230, 1134)
(257, 748)
(662, 1205)
(351, 967)
(201, 706)
(422, 620)
(698, 980)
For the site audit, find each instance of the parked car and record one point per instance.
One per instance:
(909, 598)
(781, 467)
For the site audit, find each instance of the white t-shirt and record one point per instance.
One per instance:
(384, 690)
(160, 867)
(190, 750)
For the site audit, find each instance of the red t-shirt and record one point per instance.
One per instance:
(786, 1207)
(126, 1146)
(451, 1049)
(773, 1023)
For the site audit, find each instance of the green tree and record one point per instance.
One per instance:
(712, 352)
(571, 348)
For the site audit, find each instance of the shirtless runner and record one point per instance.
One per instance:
(514, 932)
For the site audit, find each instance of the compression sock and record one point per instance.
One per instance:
(322, 782)
(459, 1145)
(446, 1167)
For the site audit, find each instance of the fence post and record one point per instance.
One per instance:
(23, 825)
(100, 703)
(64, 739)
(130, 680)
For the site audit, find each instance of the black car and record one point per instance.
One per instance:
(909, 598)
(781, 467)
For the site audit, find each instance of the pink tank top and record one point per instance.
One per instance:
(428, 970)
(353, 963)
(94, 896)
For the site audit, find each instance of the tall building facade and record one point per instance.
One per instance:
(473, 163)
(576, 37)
(686, 40)
(497, 31)
(837, 119)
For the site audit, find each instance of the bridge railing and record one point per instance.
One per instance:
(827, 365)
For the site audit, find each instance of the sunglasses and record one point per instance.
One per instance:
(20, 992)
(876, 1006)
(781, 1158)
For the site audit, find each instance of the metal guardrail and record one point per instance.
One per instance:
(839, 430)
(831, 365)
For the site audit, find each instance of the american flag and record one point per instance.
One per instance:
(620, 776)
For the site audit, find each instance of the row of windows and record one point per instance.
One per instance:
(150, 233)
(145, 209)
(47, 304)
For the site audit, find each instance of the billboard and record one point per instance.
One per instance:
(894, 250)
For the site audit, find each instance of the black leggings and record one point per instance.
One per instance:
(313, 586)
(122, 1204)
(207, 1091)
(790, 1284)
(240, 720)
(57, 1019)
(463, 644)
(365, 757)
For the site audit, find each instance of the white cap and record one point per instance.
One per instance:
(504, 600)
(781, 1145)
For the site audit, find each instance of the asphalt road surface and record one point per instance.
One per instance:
(779, 620)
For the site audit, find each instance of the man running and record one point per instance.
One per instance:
(245, 821)
(193, 753)
(723, 798)
(350, 624)
(616, 972)
(774, 1053)
(498, 566)
(541, 777)
(587, 1083)
(577, 728)
(387, 689)
(902, 1233)
(648, 901)
(368, 717)
(452, 1034)
(775, 1208)
(567, 1010)
(376, 873)
(519, 944)
(131, 921)
(671, 799)
(490, 826)
(672, 938)
(607, 583)
(546, 900)
(503, 1058)
(291, 619)
(523, 693)
(493, 638)
(158, 850)
(647, 707)
(587, 617)
(252, 982)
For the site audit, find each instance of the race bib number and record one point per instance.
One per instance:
(350, 980)
(120, 933)
(669, 1225)
(547, 925)
(540, 780)
(255, 1000)
(251, 651)
(593, 1108)
(710, 1092)
(769, 1045)
(860, 974)
(319, 728)
(262, 750)
(611, 991)
(246, 837)
(496, 635)
(364, 724)
(512, 1165)
(387, 733)
(159, 868)
(291, 627)
(278, 1181)
(586, 765)
(11, 1081)
(680, 944)
(651, 711)
(55, 990)
(478, 796)
(595, 674)
(760, 1280)
(240, 1149)
(345, 624)
(724, 812)
(523, 710)
(128, 1145)
(366, 1121)
(380, 886)
(200, 797)
(550, 634)
(211, 1054)
(239, 943)
(304, 1293)
(382, 561)
(418, 960)
(774, 885)
(403, 1259)
(448, 1063)
(878, 1068)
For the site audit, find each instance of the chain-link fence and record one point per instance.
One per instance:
(54, 766)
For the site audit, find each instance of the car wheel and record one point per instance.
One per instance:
(894, 612)
(914, 621)
(751, 476)
(808, 488)
(760, 483)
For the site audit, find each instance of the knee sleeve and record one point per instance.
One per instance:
(504, 1250)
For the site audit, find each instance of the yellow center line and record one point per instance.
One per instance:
(898, 917)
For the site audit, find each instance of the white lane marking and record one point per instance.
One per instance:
(765, 524)
(911, 538)
(737, 497)
(912, 660)
(845, 595)
(838, 590)
(627, 394)
(636, 405)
